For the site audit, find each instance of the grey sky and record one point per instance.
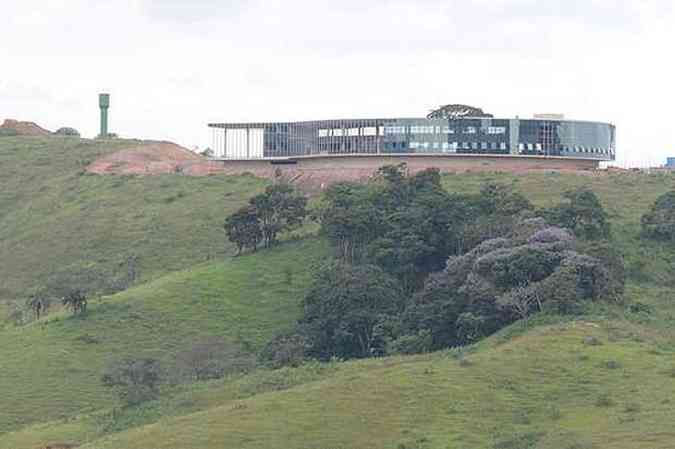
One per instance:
(172, 66)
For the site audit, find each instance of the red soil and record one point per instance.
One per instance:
(25, 128)
(147, 159)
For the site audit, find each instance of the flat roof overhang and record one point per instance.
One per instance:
(420, 155)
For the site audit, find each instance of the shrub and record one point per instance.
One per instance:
(582, 213)
(612, 364)
(659, 222)
(611, 260)
(418, 343)
(8, 132)
(212, 358)
(592, 341)
(284, 350)
(66, 131)
(134, 380)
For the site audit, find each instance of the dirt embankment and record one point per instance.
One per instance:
(25, 128)
(152, 158)
(156, 158)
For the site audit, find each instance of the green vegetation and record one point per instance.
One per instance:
(659, 222)
(53, 368)
(601, 379)
(278, 209)
(469, 263)
(63, 228)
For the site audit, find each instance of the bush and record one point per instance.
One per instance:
(66, 131)
(582, 213)
(212, 358)
(134, 380)
(284, 350)
(418, 343)
(659, 222)
(8, 132)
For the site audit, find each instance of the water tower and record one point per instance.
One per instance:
(104, 104)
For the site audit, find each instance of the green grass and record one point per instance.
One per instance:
(51, 369)
(58, 223)
(539, 387)
(542, 385)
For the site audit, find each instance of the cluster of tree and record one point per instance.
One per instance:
(280, 208)
(659, 222)
(72, 286)
(409, 225)
(138, 380)
(418, 268)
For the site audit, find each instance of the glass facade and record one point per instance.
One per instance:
(480, 135)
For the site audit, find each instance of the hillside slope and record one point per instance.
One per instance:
(61, 226)
(545, 389)
(536, 388)
(52, 369)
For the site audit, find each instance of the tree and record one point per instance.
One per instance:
(347, 310)
(212, 358)
(280, 208)
(38, 303)
(134, 380)
(349, 220)
(67, 131)
(582, 213)
(521, 300)
(659, 222)
(76, 300)
(502, 200)
(418, 220)
(243, 228)
(284, 350)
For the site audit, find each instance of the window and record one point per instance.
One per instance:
(436, 145)
(323, 133)
(394, 130)
(338, 132)
(483, 146)
(521, 147)
(448, 130)
(502, 146)
(496, 130)
(474, 145)
(470, 130)
(370, 131)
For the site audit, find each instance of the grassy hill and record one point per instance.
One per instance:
(52, 368)
(540, 387)
(59, 224)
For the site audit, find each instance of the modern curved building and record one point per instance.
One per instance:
(452, 130)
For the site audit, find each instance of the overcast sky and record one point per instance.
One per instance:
(172, 66)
